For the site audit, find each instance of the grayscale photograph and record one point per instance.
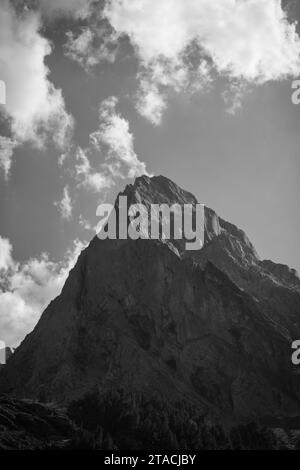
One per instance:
(149, 227)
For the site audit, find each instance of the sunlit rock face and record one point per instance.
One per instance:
(212, 326)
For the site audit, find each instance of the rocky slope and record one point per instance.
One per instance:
(213, 327)
(27, 425)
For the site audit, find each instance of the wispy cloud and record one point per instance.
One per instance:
(93, 45)
(112, 148)
(91, 179)
(117, 141)
(5, 254)
(65, 206)
(151, 102)
(7, 146)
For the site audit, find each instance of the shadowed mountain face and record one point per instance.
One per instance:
(213, 327)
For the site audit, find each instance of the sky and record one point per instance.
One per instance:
(99, 92)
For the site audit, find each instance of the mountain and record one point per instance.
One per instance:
(212, 327)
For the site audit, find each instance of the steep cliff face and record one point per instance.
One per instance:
(148, 315)
(275, 286)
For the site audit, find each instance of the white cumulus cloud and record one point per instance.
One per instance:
(244, 40)
(34, 106)
(27, 288)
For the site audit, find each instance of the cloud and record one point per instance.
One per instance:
(26, 289)
(234, 94)
(7, 146)
(5, 254)
(85, 224)
(115, 137)
(243, 40)
(114, 142)
(87, 177)
(94, 44)
(157, 79)
(34, 106)
(61, 159)
(151, 103)
(65, 205)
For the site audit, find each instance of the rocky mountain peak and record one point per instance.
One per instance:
(157, 190)
(213, 327)
(161, 190)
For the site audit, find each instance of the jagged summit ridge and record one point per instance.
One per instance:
(159, 189)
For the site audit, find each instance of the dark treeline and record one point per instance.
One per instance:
(119, 420)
